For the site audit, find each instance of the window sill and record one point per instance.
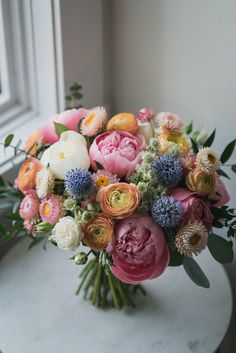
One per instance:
(22, 127)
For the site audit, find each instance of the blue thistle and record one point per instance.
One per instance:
(167, 211)
(78, 182)
(168, 169)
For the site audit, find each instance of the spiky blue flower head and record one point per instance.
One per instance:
(168, 169)
(167, 211)
(78, 182)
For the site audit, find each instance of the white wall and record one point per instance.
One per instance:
(84, 48)
(177, 56)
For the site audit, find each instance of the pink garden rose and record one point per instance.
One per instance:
(222, 197)
(117, 151)
(139, 249)
(70, 118)
(195, 209)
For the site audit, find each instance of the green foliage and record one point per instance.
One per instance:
(176, 259)
(225, 156)
(210, 139)
(74, 96)
(233, 167)
(222, 173)
(195, 272)
(60, 128)
(220, 249)
(189, 128)
(194, 146)
(8, 140)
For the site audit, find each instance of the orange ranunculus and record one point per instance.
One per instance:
(180, 141)
(34, 142)
(119, 200)
(123, 122)
(27, 174)
(98, 232)
(201, 182)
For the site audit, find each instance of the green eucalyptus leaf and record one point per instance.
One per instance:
(220, 249)
(222, 173)
(176, 259)
(233, 168)
(189, 128)
(60, 128)
(195, 272)
(210, 139)
(8, 140)
(194, 146)
(228, 151)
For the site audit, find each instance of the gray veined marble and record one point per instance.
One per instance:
(39, 312)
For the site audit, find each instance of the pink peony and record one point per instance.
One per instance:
(139, 249)
(195, 209)
(29, 207)
(221, 196)
(70, 118)
(117, 151)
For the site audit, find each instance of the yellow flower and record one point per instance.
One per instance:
(201, 182)
(119, 200)
(102, 181)
(123, 122)
(179, 139)
(98, 232)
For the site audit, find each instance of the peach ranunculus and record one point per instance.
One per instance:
(195, 209)
(119, 200)
(98, 232)
(27, 174)
(123, 122)
(117, 152)
(34, 142)
(221, 196)
(139, 249)
(201, 182)
(70, 118)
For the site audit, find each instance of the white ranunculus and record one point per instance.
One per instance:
(68, 153)
(67, 233)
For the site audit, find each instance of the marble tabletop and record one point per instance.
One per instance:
(39, 312)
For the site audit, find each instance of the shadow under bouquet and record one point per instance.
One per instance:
(127, 197)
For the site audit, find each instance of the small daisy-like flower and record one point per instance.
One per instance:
(167, 211)
(78, 182)
(191, 239)
(45, 181)
(93, 121)
(103, 178)
(51, 209)
(207, 160)
(169, 122)
(168, 169)
(29, 206)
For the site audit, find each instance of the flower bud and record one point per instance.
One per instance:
(141, 186)
(81, 258)
(86, 216)
(44, 227)
(202, 137)
(70, 204)
(92, 207)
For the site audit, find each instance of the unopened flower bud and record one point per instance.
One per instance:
(70, 204)
(86, 216)
(202, 137)
(141, 186)
(44, 227)
(81, 258)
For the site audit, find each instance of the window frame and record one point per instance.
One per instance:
(38, 78)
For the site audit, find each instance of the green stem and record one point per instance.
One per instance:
(113, 292)
(97, 284)
(90, 279)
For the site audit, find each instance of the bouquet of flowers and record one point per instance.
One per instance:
(127, 197)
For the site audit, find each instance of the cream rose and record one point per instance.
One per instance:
(67, 233)
(68, 153)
